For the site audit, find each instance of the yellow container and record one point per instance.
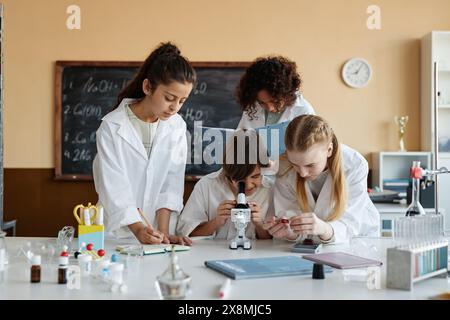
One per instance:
(91, 234)
(87, 231)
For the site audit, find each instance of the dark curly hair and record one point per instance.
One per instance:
(275, 74)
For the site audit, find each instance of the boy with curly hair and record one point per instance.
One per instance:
(268, 93)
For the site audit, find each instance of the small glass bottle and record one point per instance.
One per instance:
(116, 272)
(85, 261)
(415, 208)
(62, 269)
(36, 269)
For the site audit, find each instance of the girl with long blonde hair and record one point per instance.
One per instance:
(321, 188)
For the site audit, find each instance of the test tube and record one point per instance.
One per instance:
(441, 224)
(401, 230)
(406, 223)
(431, 234)
(437, 226)
(420, 228)
(398, 231)
(411, 227)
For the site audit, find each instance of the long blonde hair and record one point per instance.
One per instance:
(302, 133)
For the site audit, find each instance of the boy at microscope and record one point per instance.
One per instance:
(207, 212)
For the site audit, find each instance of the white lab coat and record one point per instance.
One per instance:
(208, 193)
(360, 216)
(126, 178)
(300, 106)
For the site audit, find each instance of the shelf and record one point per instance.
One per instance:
(444, 106)
(444, 155)
(405, 153)
(444, 70)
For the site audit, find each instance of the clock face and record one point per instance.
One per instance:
(356, 73)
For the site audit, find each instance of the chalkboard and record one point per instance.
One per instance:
(85, 91)
(212, 103)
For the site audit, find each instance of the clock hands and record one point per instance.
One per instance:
(357, 71)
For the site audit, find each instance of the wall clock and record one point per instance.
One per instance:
(356, 73)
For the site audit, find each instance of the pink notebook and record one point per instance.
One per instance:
(341, 260)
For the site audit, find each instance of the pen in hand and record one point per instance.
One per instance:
(155, 233)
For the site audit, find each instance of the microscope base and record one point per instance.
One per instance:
(246, 245)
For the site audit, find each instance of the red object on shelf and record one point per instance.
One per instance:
(416, 173)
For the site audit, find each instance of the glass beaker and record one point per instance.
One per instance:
(174, 283)
(415, 208)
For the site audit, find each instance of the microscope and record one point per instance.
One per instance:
(241, 216)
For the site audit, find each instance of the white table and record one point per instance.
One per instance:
(206, 282)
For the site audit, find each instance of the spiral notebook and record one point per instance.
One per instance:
(152, 248)
(263, 267)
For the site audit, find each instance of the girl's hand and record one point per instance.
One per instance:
(148, 235)
(256, 213)
(224, 212)
(279, 229)
(166, 239)
(180, 240)
(309, 224)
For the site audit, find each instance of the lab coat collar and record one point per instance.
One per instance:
(215, 174)
(259, 118)
(323, 203)
(126, 131)
(260, 115)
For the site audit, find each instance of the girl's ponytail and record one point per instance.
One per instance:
(163, 66)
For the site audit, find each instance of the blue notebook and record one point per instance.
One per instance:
(263, 267)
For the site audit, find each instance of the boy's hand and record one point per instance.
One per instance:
(224, 212)
(255, 214)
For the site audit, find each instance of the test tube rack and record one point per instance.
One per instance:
(408, 264)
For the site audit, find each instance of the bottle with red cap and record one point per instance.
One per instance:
(63, 262)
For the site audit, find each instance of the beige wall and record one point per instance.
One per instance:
(320, 35)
